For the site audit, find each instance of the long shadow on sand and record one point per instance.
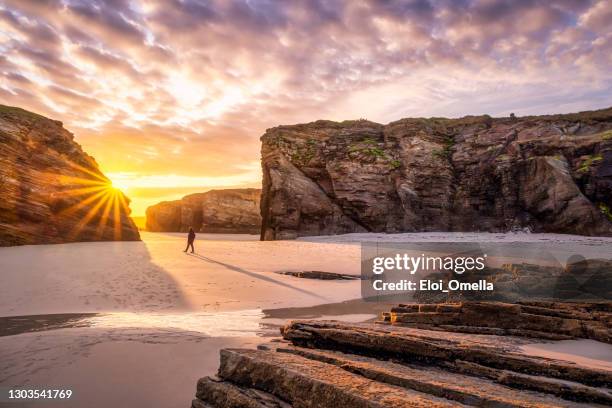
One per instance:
(256, 275)
(80, 277)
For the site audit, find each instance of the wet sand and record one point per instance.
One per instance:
(138, 359)
(137, 323)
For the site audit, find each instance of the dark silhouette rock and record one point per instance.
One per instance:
(540, 173)
(582, 280)
(320, 275)
(51, 190)
(217, 211)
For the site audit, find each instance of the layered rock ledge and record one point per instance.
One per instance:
(549, 320)
(541, 173)
(385, 364)
(218, 211)
(51, 190)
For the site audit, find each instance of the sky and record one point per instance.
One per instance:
(171, 96)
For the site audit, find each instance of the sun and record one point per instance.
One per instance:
(121, 185)
(120, 181)
(97, 202)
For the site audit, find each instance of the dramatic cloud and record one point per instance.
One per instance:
(172, 96)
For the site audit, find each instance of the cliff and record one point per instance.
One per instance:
(218, 211)
(51, 190)
(542, 173)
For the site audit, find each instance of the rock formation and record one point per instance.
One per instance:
(542, 173)
(585, 280)
(548, 320)
(51, 191)
(219, 211)
(386, 364)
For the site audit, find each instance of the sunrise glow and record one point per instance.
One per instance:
(172, 101)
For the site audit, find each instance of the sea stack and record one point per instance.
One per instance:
(52, 191)
(232, 211)
(537, 173)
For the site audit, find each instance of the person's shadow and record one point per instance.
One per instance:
(256, 275)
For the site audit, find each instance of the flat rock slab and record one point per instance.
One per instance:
(466, 389)
(309, 383)
(212, 392)
(320, 275)
(339, 364)
(431, 347)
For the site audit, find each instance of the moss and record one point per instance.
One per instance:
(607, 135)
(304, 153)
(586, 164)
(446, 150)
(395, 164)
(302, 157)
(375, 152)
(367, 146)
(12, 110)
(605, 209)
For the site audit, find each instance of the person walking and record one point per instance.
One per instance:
(190, 238)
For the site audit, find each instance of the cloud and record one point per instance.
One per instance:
(186, 87)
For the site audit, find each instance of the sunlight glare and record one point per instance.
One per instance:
(121, 184)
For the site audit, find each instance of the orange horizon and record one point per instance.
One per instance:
(166, 113)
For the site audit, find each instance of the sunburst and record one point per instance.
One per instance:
(104, 202)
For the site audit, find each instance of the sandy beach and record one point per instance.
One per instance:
(227, 272)
(148, 320)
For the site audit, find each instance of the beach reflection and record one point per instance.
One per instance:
(239, 323)
(220, 324)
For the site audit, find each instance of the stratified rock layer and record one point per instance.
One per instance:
(543, 173)
(51, 191)
(218, 211)
(552, 320)
(334, 364)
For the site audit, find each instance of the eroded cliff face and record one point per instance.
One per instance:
(542, 173)
(51, 191)
(217, 211)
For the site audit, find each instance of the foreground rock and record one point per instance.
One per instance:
(542, 173)
(51, 190)
(332, 364)
(218, 211)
